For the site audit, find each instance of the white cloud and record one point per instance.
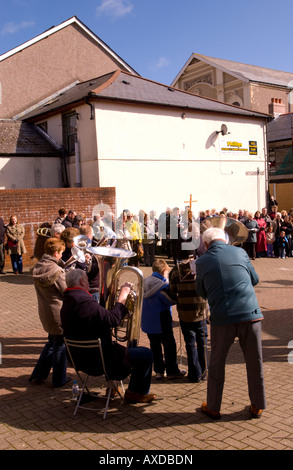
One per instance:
(11, 27)
(160, 63)
(115, 8)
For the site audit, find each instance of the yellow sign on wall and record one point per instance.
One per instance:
(229, 146)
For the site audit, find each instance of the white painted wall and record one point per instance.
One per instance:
(54, 128)
(158, 160)
(87, 147)
(30, 172)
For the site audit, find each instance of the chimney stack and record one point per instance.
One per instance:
(276, 107)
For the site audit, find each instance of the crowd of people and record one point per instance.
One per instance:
(269, 230)
(69, 305)
(269, 233)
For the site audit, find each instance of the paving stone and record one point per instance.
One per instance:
(41, 418)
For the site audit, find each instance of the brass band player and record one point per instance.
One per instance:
(85, 319)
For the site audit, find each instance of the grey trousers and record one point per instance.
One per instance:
(222, 337)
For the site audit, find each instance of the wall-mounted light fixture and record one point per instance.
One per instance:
(224, 130)
(183, 116)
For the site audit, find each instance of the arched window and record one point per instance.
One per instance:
(235, 99)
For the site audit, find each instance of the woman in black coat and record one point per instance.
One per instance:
(250, 243)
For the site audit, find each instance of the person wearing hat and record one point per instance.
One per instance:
(157, 323)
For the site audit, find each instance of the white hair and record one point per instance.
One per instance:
(73, 277)
(56, 228)
(213, 233)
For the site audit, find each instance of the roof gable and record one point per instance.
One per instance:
(244, 72)
(54, 29)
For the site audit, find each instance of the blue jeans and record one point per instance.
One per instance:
(165, 340)
(53, 355)
(140, 360)
(270, 250)
(16, 261)
(194, 334)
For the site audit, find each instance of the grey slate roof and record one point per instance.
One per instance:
(245, 72)
(280, 128)
(123, 86)
(20, 139)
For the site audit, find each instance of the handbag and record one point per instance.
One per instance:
(11, 244)
(140, 251)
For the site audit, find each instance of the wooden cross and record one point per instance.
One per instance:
(190, 201)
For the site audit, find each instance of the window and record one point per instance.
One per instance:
(69, 132)
(43, 126)
(280, 161)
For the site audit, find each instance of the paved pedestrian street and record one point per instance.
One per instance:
(39, 417)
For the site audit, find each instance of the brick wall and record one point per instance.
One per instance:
(35, 207)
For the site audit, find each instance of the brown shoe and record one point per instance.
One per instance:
(255, 413)
(211, 414)
(133, 397)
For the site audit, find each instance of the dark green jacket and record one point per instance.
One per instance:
(225, 277)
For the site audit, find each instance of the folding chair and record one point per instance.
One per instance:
(73, 348)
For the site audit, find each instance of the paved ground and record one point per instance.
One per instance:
(38, 417)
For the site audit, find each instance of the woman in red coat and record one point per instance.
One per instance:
(261, 242)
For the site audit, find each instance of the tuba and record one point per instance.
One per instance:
(235, 231)
(82, 242)
(110, 261)
(44, 232)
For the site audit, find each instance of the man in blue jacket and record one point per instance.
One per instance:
(225, 277)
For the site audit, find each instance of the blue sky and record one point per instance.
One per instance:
(156, 37)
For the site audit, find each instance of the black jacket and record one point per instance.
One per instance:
(83, 318)
(2, 231)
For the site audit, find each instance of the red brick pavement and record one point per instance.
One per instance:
(41, 418)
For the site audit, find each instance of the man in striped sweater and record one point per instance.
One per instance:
(191, 308)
